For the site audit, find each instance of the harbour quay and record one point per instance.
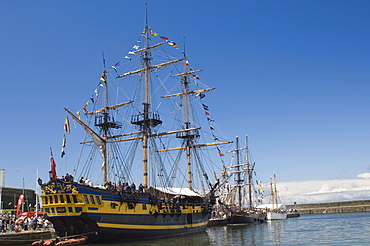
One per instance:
(332, 207)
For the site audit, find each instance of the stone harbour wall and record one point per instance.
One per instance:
(332, 207)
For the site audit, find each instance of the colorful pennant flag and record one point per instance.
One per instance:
(63, 145)
(67, 127)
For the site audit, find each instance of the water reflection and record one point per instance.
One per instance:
(275, 228)
(248, 234)
(324, 229)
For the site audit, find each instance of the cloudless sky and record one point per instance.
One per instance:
(292, 75)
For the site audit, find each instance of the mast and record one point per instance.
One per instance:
(250, 173)
(146, 106)
(185, 80)
(105, 127)
(147, 119)
(272, 194)
(275, 193)
(238, 172)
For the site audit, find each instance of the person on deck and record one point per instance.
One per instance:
(141, 188)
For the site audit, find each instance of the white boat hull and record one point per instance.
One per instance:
(276, 216)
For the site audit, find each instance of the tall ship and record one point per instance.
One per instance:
(240, 199)
(145, 174)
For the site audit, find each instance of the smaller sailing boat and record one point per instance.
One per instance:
(236, 198)
(275, 210)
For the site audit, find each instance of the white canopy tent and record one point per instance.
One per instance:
(271, 206)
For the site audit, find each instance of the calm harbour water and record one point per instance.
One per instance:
(320, 229)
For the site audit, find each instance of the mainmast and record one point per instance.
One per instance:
(185, 80)
(104, 125)
(146, 105)
(189, 136)
(147, 119)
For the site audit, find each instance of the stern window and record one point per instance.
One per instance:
(74, 198)
(92, 199)
(85, 199)
(68, 199)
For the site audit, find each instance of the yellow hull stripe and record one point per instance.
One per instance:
(151, 227)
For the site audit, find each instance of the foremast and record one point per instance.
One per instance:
(104, 122)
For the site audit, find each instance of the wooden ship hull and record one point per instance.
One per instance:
(97, 213)
(244, 218)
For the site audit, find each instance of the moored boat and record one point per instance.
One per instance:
(60, 241)
(240, 207)
(274, 210)
(164, 204)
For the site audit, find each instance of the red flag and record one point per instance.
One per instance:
(20, 200)
(219, 152)
(53, 166)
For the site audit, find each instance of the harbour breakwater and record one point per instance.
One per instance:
(332, 207)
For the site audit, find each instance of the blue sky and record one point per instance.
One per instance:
(292, 75)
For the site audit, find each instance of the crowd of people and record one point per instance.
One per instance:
(108, 185)
(9, 223)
